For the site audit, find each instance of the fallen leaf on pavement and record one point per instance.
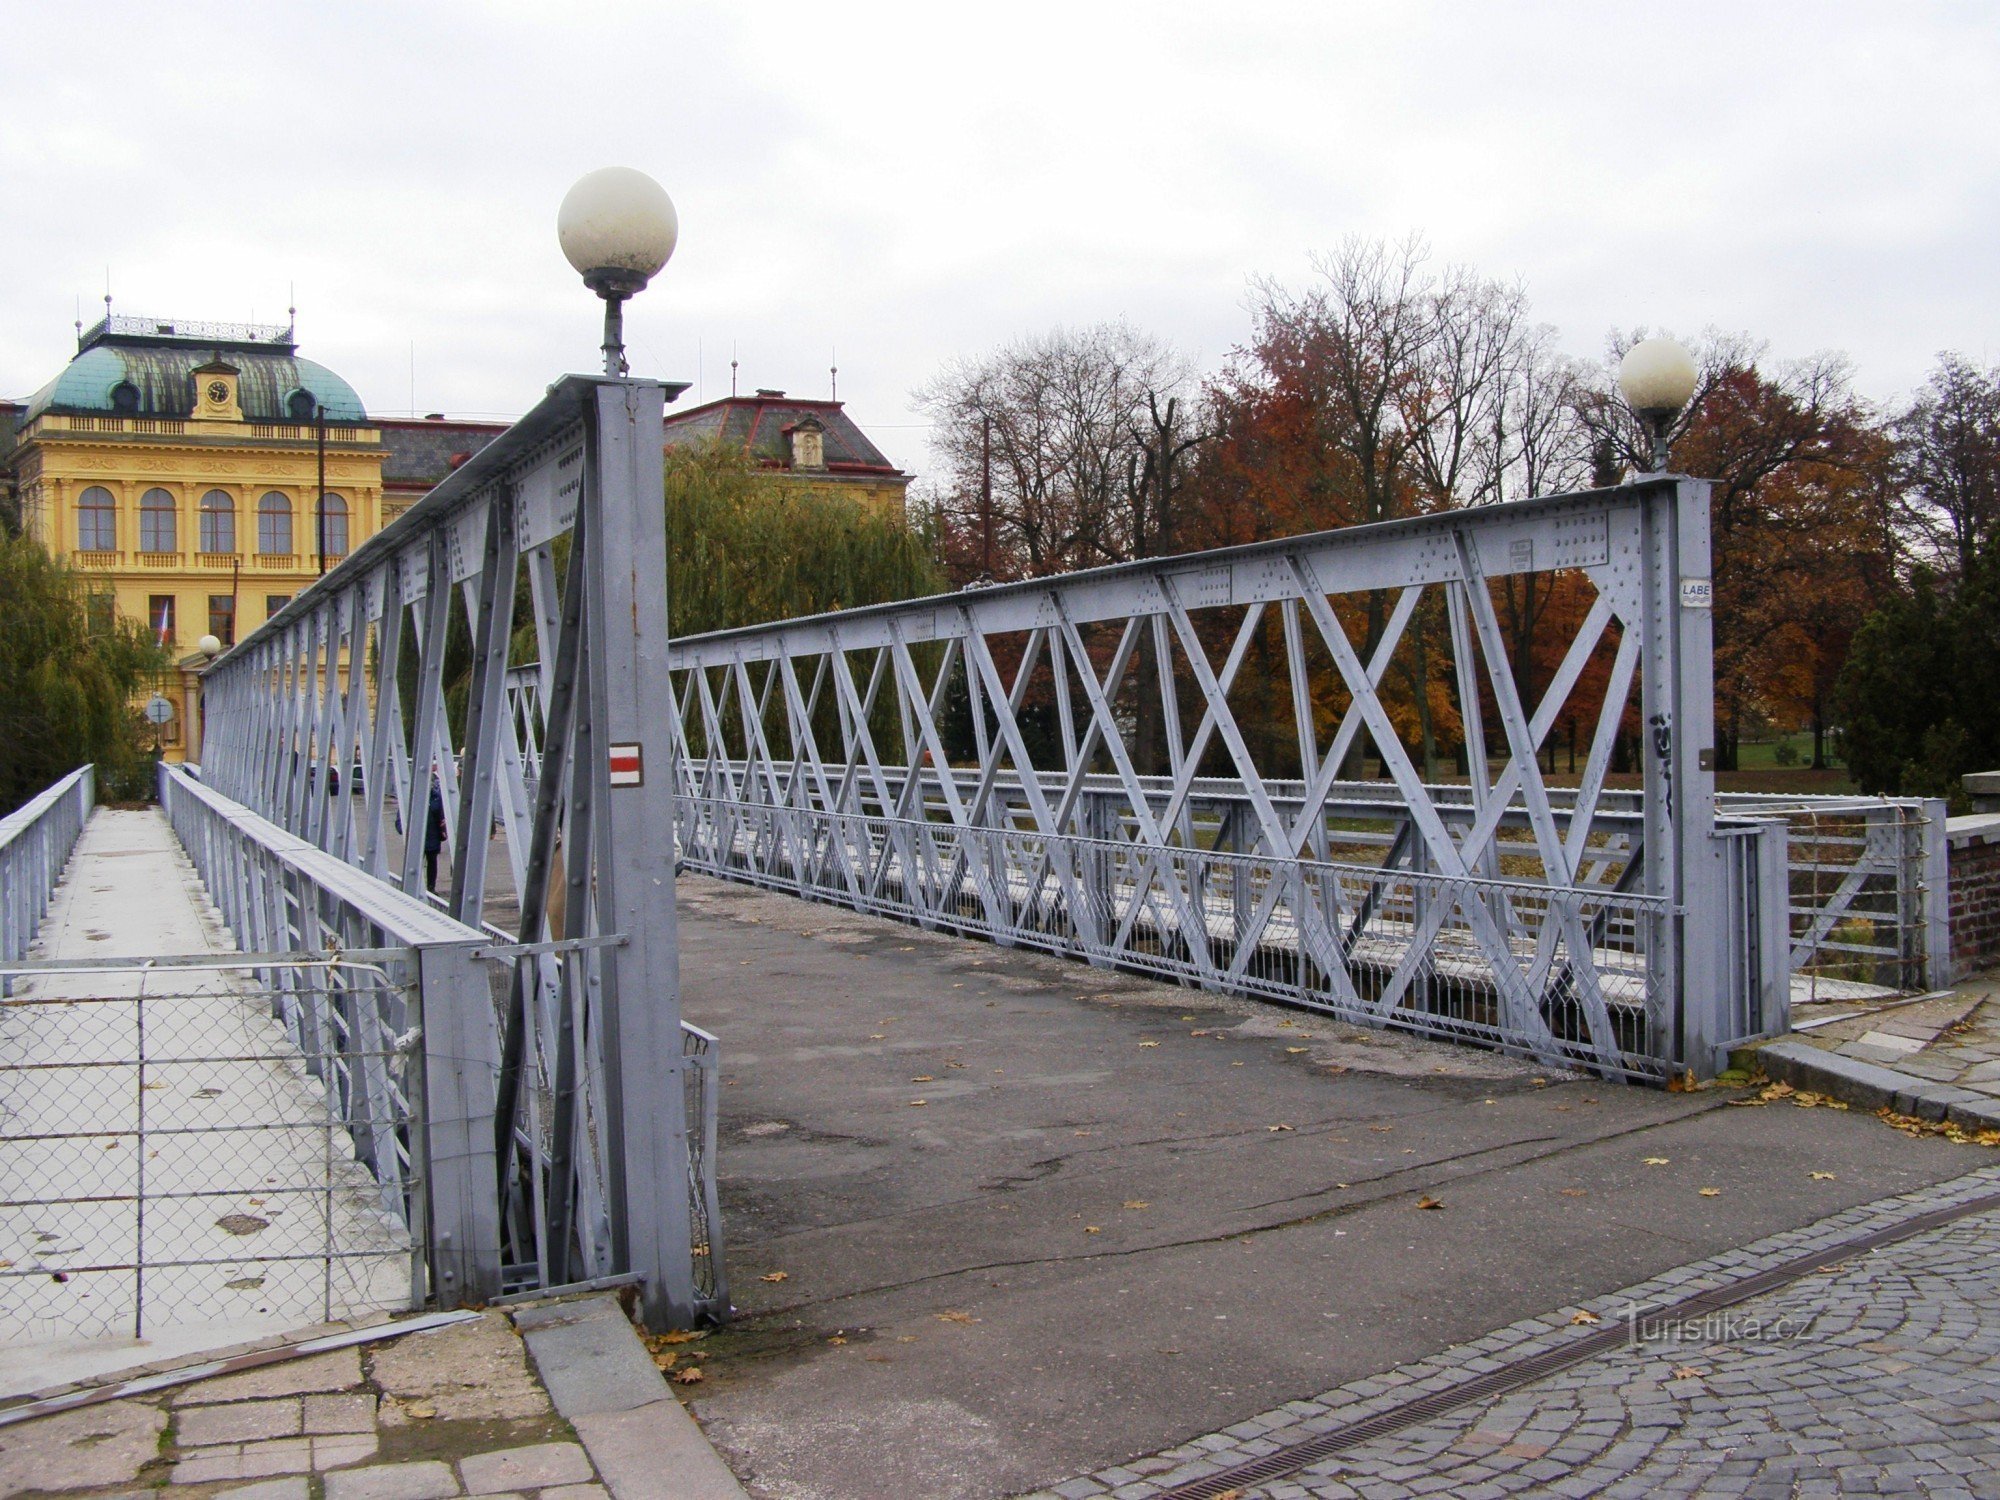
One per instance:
(955, 1316)
(681, 1336)
(918, 1103)
(1298, 1049)
(1092, 1229)
(1822, 1177)
(1574, 1193)
(1657, 1161)
(923, 1078)
(836, 1339)
(1149, 1044)
(1709, 1192)
(1428, 1202)
(776, 1276)
(422, 1411)
(1585, 1317)
(1275, 1128)
(1137, 1203)
(690, 1376)
(1381, 1127)
(1688, 1372)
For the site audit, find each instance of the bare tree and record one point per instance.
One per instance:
(1046, 452)
(1948, 463)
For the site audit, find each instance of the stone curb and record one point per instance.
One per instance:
(1871, 1086)
(603, 1382)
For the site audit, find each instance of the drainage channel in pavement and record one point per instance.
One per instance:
(1531, 1368)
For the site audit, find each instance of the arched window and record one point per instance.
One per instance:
(156, 522)
(335, 513)
(301, 406)
(274, 524)
(125, 397)
(218, 522)
(96, 520)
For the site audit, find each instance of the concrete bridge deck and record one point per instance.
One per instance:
(170, 1178)
(1125, 1214)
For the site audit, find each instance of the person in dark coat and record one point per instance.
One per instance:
(433, 835)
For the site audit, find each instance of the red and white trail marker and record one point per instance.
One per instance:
(628, 766)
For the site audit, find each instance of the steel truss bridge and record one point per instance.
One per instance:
(972, 763)
(1085, 764)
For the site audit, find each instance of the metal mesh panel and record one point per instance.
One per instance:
(199, 1146)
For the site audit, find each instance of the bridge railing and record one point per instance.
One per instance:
(1864, 898)
(35, 843)
(390, 1000)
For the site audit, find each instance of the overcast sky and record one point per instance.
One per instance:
(906, 182)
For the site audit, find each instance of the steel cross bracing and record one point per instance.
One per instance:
(973, 762)
(393, 671)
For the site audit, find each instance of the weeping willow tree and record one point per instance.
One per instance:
(746, 547)
(68, 674)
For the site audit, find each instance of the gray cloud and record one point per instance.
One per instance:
(906, 182)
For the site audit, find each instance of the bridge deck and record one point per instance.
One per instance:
(164, 1120)
(949, 1325)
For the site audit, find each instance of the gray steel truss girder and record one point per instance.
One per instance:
(1236, 864)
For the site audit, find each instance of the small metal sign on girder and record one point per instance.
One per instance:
(1697, 593)
(159, 710)
(628, 766)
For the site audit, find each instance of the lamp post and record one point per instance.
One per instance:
(210, 648)
(618, 228)
(1656, 377)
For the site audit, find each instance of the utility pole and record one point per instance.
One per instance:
(319, 510)
(986, 495)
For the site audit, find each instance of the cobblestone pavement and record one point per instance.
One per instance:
(429, 1416)
(1878, 1374)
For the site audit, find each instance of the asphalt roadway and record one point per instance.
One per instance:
(995, 1219)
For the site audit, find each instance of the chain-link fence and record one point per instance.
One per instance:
(197, 1143)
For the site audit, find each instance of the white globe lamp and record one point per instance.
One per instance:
(209, 646)
(1657, 377)
(618, 228)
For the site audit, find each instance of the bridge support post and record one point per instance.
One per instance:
(460, 1062)
(1680, 770)
(630, 686)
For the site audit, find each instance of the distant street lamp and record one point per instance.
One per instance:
(209, 646)
(618, 228)
(1657, 376)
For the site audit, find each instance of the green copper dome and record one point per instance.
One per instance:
(135, 367)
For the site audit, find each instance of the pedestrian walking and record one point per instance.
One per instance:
(433, 834)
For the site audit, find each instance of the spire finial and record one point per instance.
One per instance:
(833, 377)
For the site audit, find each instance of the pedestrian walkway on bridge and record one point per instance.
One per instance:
(174, 1175)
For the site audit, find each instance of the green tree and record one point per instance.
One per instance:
(1919, 696)
(746, 547)
(68, 673)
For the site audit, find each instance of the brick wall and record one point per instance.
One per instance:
(1974, 846)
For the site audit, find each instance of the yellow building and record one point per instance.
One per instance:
(182, 463)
